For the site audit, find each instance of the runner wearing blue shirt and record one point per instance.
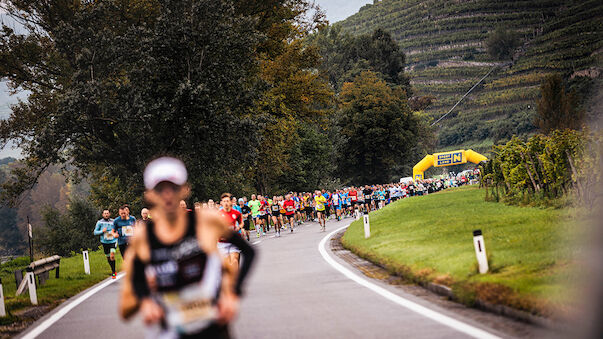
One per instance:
(104, 228)
(124, 226)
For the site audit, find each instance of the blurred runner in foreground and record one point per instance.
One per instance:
(175, 275)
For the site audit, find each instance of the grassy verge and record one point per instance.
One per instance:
(72, 280)
(429, 239)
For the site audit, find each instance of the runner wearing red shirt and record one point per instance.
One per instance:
(235, 220)
(289, 206)
(354, 200)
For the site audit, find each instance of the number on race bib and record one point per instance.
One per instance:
(128, 231)
(109, 236)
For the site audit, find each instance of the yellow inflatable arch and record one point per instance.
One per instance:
(445, 159)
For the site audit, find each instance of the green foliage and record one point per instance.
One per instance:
(545, 168)
(501, 43)
(378, 129)
(558, 109)
(71, 231)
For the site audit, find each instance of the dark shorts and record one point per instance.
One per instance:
(122, 249)
(276, 214)
(289, 216)
(108, 248)
(246, 225)
(265, 217)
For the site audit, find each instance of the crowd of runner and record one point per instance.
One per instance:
(162, 264)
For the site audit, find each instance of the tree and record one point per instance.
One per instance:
(63, 233)
(557, 109)
(379, 130)
(116, 83)
(501, 43)
(345, 56)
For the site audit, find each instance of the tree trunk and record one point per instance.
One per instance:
(577, 180)
(539, 180)
(536, 187)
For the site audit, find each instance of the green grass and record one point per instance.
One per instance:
(430, 238)
(72, 280)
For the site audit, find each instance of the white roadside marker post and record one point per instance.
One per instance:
(31, 281)
(86, 262)
(480, 251)
(357, 214)
(367, 226)
(2, 308)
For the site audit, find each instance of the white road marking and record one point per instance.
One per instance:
(61, 313)
(422, 310)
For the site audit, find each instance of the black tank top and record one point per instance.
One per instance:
(187, 279)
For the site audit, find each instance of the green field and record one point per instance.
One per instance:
(72, 281)
(430, 239)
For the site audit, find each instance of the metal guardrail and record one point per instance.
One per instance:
(41, 269)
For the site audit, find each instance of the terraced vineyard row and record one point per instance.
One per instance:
(445, 43)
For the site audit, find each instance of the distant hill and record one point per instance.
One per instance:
(445, 45)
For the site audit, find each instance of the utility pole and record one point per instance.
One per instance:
(30, 240)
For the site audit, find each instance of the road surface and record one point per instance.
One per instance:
(293, 292)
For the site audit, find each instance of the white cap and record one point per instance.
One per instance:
(164, 169)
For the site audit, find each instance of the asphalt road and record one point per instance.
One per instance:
(293, 292)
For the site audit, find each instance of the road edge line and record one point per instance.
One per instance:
(422, 310)
(45, 324)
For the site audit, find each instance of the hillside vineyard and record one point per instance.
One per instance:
(445, 47)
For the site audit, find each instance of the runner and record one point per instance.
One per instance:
(320, 202)
(124, 226)
(368, 194)
(263, 214)
(175, 269)
(275, 209)
(144, 214)
(254, 205)
(289, 206)
(246, 214)
(353, 200)
(336, 198)
(104, 228)
(235, 221)
(327, 196)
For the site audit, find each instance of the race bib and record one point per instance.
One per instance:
(128, 231)
(367, 197)
(353, 198)
(189, 309)
(109, 236)
(262, 212)
(275, 208)
(290, 209)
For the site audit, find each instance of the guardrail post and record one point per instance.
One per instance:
(86, 262)
(480, 251)
(367, 226)
(18, 277)
(31, 281)
(2, 308)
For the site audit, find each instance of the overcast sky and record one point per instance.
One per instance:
(340, 9)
